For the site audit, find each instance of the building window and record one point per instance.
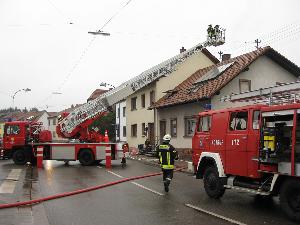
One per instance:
(143, 101)
(173, 127)
(143, 129)
(118, 114)
(124, 131)
(49, 122)
(124, 111)
(245, 85)
(152, 97)
(54, 121)
(189, 125)
(133, 130)
(117, 130)
(133, 103)
(238, 120)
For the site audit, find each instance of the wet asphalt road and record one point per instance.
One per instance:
(125, 203)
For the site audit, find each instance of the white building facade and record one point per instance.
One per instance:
(121, 131)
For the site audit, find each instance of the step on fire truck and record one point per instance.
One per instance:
(253, 148)
(21, 139)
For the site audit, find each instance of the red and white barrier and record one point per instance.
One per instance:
(39, 157)
(107, 152)
(108, 157)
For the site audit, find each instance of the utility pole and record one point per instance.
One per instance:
(257, 41)
(220, 53)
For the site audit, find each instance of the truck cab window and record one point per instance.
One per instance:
(255, 122)
(204, 124)
(13, 129)
(238, 120)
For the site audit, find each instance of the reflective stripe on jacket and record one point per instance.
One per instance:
(166, 156)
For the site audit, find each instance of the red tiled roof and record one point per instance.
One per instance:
(52, 114)
(96, 94)
(22, 116)
(182, 93)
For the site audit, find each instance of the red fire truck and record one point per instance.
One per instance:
(254, 149)
(21, 139)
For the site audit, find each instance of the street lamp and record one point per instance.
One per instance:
(14, 95)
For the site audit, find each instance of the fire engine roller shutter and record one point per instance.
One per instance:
(100, 152)
(63, 152)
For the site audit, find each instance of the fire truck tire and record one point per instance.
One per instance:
(86, 157)
(290, 199)
(20, 157)
(212, 183)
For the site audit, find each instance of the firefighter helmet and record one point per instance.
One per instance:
(167, 137)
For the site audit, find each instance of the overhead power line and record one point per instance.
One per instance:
(285, 32)
(85, 51)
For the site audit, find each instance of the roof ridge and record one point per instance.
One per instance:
(211, 86)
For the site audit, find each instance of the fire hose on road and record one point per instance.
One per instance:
(39, 200)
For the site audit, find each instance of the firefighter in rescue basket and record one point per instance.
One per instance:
(167, 155)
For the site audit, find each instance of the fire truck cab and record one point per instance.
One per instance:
(18, 138)
(254, 149)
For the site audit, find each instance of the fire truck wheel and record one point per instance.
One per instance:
(86, 157)
(212, 183)
(290, 199)
(19, 157)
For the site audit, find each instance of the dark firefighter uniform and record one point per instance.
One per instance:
(167, 155)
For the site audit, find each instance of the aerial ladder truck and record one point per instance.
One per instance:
(21, 139)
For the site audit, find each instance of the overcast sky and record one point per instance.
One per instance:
(42, 41)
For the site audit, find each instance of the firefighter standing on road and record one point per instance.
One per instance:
(167, 155)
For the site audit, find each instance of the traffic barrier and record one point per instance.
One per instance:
(107, 152)
(39, 156)
(108, 157)
(39, 200)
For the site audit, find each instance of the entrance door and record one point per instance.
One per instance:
(151, 135)
(236, 143)
(162, 129)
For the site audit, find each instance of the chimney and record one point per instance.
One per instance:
(182, 50)
(225, 57)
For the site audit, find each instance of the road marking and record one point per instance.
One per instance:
(148, 189)
(137, 184)
(117, 175)
(14, 174)
(9, 184)
(215, 215)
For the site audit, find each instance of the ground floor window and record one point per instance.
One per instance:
(189, 125)
(124, 131)
(133, 130)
